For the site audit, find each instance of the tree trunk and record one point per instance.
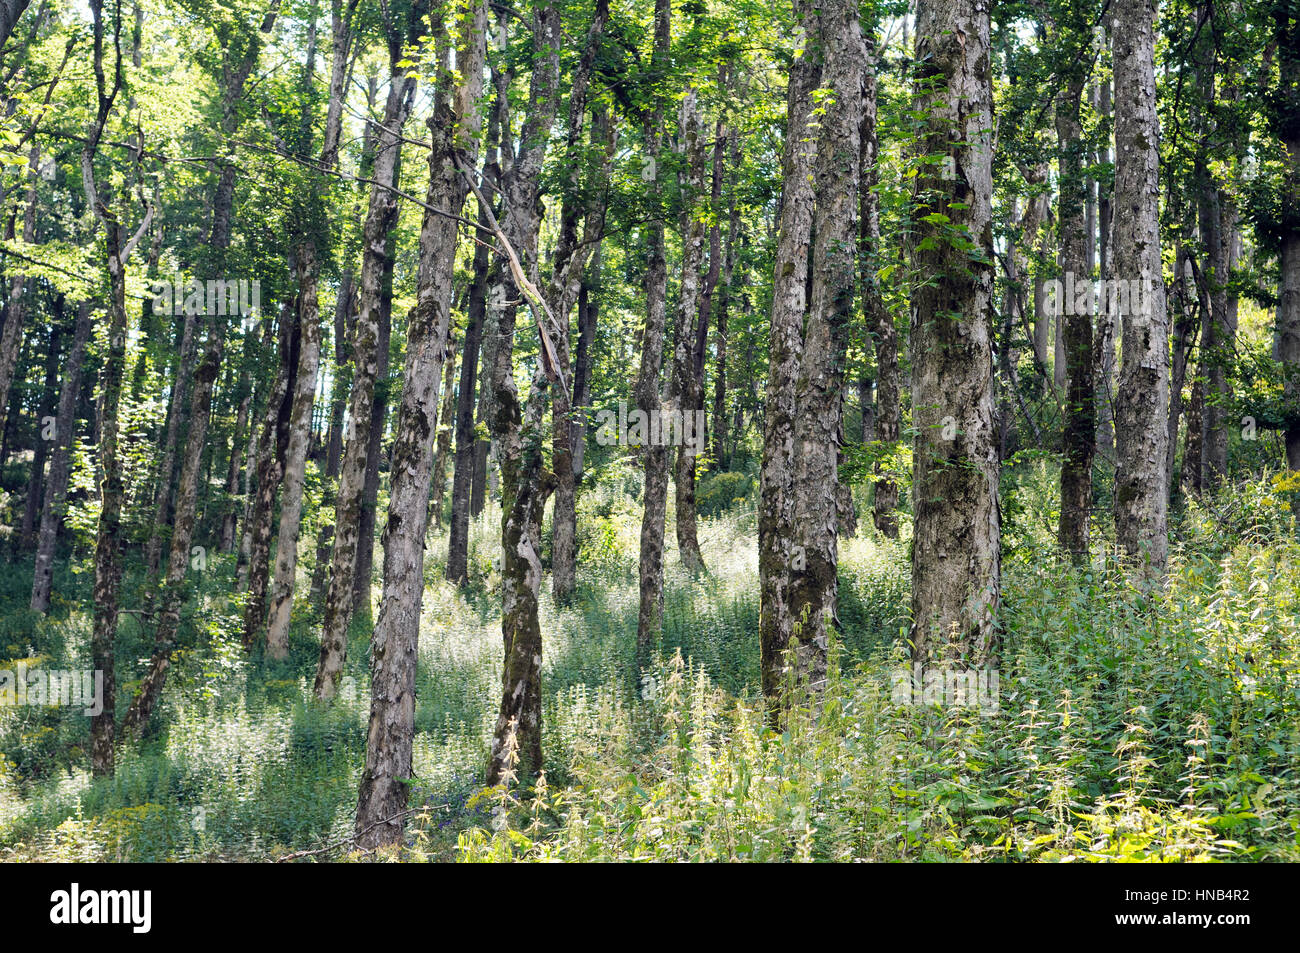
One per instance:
(570, 260)
(446, 421)
(274, 443)
(525, 483)
(955, 547)
(175, 420)
(1288, 306)
(454, 130)
(1142, 404)
(1104, 340)
(655, 496)
(56, 487)
(367, 339)
(343, 314)
(685, 390)
(463, 472)
(32, 501)
(1080, 404)
(295, 463)
(779, 559)
(230, 521)
(880, 323)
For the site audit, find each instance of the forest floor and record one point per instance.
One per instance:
(1162, 725)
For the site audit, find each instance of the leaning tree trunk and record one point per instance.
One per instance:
(1142, 403)
(1079, 438)
(56, 487)
(454, 130)
(179, 557)
(955, 547)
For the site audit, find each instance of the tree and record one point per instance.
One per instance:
(1142, 401)
(955, 545)
(454, 127)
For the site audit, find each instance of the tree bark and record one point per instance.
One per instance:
(1079, 437)
(343, 314)
(466, 444)
(880, 323)
(32, 500)
(955, 546)
(686, 384)
(1142, 403)
(381, 218)
(56, 487)
(779, 559)
(295, 464)
(525, 483)
(655, 495)
(454, 130)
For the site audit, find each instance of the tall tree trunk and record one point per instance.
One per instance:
(230, 521)
(446, 421)
(685, 389)
(1185, 330)
(588, 318)
(1287, 33)
(32, 501)
(1079, 434)
(718, 432)
(880, 323)
(11, 334)
(56, 487)
(572, 251)
(1104, 340)
(295, 464)
(655, 495)
(466, 445)
(454, 130)
(367, 336)
(343, 314)
(525, 483)
(274, 443)
(175, 420)
(955, 546)
(779, 559)
(361, 580)
(1142, 403)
